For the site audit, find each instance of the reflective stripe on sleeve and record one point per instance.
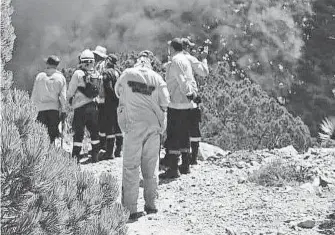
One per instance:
(195, 139)
(95, 141)
(102, 134)
(78, 144)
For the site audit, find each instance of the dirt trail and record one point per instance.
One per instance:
(216, 200)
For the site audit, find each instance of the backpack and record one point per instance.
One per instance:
(91, 89)
(109, 80)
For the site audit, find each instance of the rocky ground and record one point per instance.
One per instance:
(218, 197)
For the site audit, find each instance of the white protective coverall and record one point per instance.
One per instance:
(143, 100)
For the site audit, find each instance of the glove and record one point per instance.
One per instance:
(197, 100)
(62, 116)
(190, 97)
(203, 55)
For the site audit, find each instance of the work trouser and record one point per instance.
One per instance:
(85, 116)
(50, 118)
(141, 149)
(178, 137)
(102, 122)
(112, 128)
(195, 135)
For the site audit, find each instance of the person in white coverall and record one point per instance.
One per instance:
(143, 100)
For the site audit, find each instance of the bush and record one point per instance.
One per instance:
(43, 190)
(240, 115)
(279, 172)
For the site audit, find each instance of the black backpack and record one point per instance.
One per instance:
(91, 90)
(109, 80)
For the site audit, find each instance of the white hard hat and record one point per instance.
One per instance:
(86, 55)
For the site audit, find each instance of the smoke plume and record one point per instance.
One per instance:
(66, 27)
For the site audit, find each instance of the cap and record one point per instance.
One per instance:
(52, 60)
(112, 58)
(187, 42)
(101, 51)
(177, 44)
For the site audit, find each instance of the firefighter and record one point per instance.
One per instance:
(100, 55)
(143, 100)
(113, 132)
(49, 95)
(199, 68)
(183, 89)
(83, 89)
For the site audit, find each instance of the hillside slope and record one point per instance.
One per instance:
(217, 197)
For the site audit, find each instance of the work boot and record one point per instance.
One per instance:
(118, 147)
(110, 148)
(149, 210)
(102, 142)
(136, 215)
(96, 153)
(185, 165)
(164, 162)
(173, 171)
(195, 150)
(76, 153)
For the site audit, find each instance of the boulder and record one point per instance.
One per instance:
(287, 151)
(207, 150)
(308, 224)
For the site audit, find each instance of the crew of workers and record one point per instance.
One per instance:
(131, 110)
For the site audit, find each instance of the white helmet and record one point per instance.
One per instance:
(86, 56)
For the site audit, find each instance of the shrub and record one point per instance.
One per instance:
(43, 190)
(240, 115)
(279, 172)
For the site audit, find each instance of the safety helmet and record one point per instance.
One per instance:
(86, 56)
(146, 53)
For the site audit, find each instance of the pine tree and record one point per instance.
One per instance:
(7, 42)
(240, 115)
(43, 190)
(311, 97)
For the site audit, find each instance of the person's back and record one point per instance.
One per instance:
(143, 97)
(47, 90)
(140, 95)
(180, 82)
(110, 77)
(49, 96)
(79, 98)
(109, 123)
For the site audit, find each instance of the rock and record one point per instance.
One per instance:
(229, 231)
(207, 150)
(254, 163)
(308, 224)
(242, 180)
(288, 151)
(310, 187)
(324, 181)
(240, 165)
